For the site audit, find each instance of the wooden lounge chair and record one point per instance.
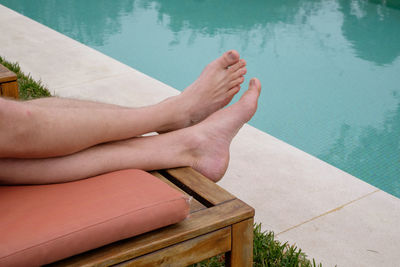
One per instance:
(218, 223)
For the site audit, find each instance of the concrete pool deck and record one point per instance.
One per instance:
(331, 215)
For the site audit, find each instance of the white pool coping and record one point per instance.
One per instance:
(331, 215)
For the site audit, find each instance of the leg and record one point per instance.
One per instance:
(54, 102)
(55, 127)
(30, 131)
(204, 146)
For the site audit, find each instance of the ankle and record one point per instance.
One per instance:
(174, 113)
(192, 142)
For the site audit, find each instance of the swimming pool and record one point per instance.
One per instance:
(330, 69)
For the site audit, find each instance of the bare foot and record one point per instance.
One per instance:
(214, 89)
(213, 136)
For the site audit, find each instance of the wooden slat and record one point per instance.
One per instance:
(242, 244)
(190, 180)
(6, 75)
(194, 204)
(188, 252)
(9, 89)
(197, 224)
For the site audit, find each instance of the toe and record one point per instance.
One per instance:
(239, 73)
(251, 95)
(253, 92)
(240, 64)
(230, 94)
(236, 82)
(255, 84)
(248, 101)
(233, 91)
(229, 58)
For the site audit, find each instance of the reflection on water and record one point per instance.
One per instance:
(369, 27)
(226, 17)
(329, 69)
(90, 21)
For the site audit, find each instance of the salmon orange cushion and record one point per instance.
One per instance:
(41, 224)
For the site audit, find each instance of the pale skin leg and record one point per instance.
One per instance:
(204, 146)
(56, 127)
(56, 102)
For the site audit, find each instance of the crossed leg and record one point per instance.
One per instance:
(56, 127)
(203, 146)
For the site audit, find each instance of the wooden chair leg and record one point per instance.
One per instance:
(241, 254)
(8, 83)
(9, 89)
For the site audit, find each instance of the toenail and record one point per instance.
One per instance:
(230, 54)
(252, 82)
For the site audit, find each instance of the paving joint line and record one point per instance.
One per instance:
(328, 212)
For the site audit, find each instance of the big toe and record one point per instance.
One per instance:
(249, 99)
(255, 85)
(228, 59)
(253, 92)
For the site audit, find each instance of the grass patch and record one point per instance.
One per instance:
(28, 87)
(268, 252)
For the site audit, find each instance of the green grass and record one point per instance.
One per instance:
(28, 87)
(268, 251)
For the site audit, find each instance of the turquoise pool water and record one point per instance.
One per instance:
(330, 69)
